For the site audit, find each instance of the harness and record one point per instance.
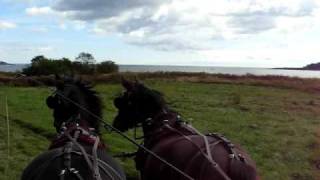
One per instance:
(67, 157)
(92, 160)
(206, 152)
(70, 138)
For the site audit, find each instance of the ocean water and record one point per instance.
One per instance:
(206, 69)
(12, 67)
(221, 70)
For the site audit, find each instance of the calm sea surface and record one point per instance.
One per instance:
(206, 69)
(12, 68)
(221, 70)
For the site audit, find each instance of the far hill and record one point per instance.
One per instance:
(4, 63)
(313, 67)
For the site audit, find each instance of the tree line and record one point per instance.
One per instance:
(84, 64)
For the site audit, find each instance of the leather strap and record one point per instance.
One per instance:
(211, 160)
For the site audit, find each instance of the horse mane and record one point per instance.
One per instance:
(154, 97)
(94, 103)
(157, 96)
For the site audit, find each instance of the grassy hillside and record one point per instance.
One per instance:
(276, 126)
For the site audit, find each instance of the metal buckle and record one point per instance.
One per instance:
(73, 170)
(62, 172)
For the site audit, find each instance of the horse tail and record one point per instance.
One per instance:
(242, 171)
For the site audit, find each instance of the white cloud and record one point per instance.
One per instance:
(39, 11)
(43, 49)
(23, 51)
(223, 30)
(33, 48)
(188, 24)
(95, 9)
(7, 25)
(291, 55)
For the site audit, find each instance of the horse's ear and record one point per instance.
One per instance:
(128, 85)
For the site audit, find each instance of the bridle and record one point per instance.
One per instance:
(147, 123)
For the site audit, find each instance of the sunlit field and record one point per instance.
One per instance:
(277, 126)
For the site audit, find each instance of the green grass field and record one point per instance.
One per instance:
(276, 126)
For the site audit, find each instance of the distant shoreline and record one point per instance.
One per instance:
(287, 68)
(5, 63)
(291, 72)
(187, 66)
(300, 69)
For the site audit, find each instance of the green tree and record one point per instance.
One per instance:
(38, 59)
(85, 58)
(107, 67)
(41, 65)
(82, 68)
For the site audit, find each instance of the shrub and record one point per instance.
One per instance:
(41, 65)
(106, 67)
(83, 68)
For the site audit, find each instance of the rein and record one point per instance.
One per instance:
(109, 127)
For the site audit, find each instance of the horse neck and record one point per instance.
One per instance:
(88, 119)
(80, 119)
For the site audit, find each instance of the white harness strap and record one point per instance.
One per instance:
(206, 142)
(95, 167)
(208, 155)
(85, 155)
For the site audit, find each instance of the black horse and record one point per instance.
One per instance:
(198, 156)
(77, 152)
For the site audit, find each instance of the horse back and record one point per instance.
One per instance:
(49, 165)
(188, 154)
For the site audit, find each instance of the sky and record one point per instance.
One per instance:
(240, 33)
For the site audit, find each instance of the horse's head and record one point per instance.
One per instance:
(136, 104)
(69, 95)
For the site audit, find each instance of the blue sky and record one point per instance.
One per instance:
(247, 33)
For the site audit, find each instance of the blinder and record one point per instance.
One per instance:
(122, 101)
(53, 102)
(118, 102)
